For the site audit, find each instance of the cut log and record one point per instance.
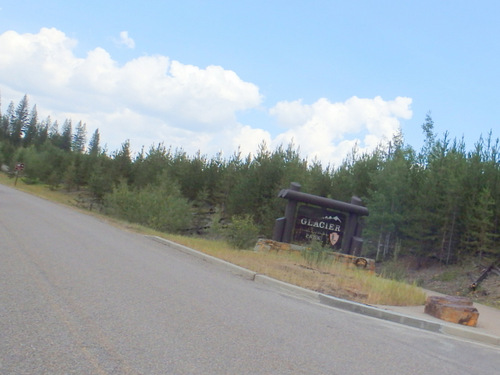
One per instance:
(452, 309)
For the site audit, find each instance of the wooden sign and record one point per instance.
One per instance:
(319, 224)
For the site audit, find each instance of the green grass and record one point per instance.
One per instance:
(37, 189)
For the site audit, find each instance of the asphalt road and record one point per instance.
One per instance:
(79, 296)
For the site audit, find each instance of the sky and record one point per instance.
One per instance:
(222, 76)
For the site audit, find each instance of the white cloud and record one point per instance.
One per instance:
(126, 40)
(154, 99)
(329, 131)
(150, 99)
(36, 61)
(248, 139)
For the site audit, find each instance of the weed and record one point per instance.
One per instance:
(393, 270)
(316, 254)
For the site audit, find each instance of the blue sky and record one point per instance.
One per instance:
(215, 75)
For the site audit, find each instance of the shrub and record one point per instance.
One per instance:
(217, 229)
(155, 207)
(242, 233)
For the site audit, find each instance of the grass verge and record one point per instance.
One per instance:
(330, 278)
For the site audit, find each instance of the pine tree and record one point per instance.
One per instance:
(54, 135)
(480, 234)
(79, 138)
(147, 168)
(4, 124)
(66, 136)
(31, 130)
(94, 147)
(100, 180)
(9, 119)
(389, 197)
(317, 180)
(43, 132)
(122, 162)
(430, 139)
(19, 121)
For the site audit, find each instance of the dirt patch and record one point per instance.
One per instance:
(454, 280)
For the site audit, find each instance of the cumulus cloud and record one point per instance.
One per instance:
(248, 139)
(146, 95)
(155, 99)
(36, 61)
(329, 131)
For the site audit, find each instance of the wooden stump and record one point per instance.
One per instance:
(452, 309)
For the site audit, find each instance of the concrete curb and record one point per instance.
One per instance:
(468, 334)
(463, 332)
(378, 313)
(245, 273)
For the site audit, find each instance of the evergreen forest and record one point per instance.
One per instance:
(442, 201)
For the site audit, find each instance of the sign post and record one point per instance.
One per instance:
(19, 168)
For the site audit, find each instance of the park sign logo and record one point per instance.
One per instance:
(319, 224)
(311, 217)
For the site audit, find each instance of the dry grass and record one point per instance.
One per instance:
(39, 190)
(330, 278)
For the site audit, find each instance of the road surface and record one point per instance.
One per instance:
(80, 296)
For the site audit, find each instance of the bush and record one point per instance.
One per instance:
(47, 165)
(217, 229)
(157, 208)
(242, 233)
(167, 213)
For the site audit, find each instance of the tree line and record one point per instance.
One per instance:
(441, 201)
